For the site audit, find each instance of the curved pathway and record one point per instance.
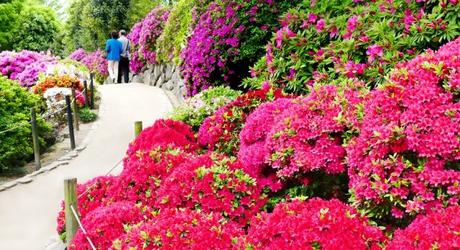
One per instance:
(28, 212)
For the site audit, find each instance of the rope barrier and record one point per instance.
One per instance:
(109, 172)
(75, 214)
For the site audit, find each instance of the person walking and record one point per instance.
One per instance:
(113, 48)
(125, 57)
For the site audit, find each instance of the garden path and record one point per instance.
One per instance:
(28, 212)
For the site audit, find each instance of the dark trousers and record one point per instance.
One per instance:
(123, 70)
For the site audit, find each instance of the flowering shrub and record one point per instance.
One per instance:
(406, 157)
(143, 174)
(164, 133)
(24, 66)
(97, 64)
(307, 137)
(227, 39)
(63, 81)
(253, 138)
(437, 230)
(144, 36)
(106, 224)
(323, 41)
(220, 132)
(180, 229)
(312, 224)
(177, 28)
(91, 195)
(195, 109)
(78, 55)
(212, 184)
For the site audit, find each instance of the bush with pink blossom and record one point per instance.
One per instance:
(328, 41)
(312, 224)
(406, 158)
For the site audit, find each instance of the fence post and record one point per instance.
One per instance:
(70, 122)
(35, 139)
(91, 85)
(70, 199)
(137, 128)
(75, 110)
(85, 84)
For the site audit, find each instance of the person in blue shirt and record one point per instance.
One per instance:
(114, 49)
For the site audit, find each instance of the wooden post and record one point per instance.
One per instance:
(91, 86)
(85, 84)
(137, 128)
(35, 139)
(75, 110)
(70, 122)
(70, 199)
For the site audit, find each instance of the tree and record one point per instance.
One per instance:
(38, 29)
(9, 17)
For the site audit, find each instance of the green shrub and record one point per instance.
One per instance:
(86, 115)
(178, 28)
(197, 108)
(16, 147)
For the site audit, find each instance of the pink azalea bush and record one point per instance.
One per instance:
(406, 157)
(143, 37)
(436, 230)
(97, 64)
(253, 139)
(333, 41)
(312, 224)
(212, 184)
(180, 229)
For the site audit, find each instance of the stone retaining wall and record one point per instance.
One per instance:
(166, 76)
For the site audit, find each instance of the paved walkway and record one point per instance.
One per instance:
(28, 212)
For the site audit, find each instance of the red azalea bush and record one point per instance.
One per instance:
(324, 41)
(91, 195)
(253, 138)
(437, 230)
(312, 224)
(406, 158)
(144, 173)
(227, 39)
(180, 229)
(106, 224)
(212, 184)
(220, 132)
(164, 133)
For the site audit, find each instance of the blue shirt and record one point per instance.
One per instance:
(113, 49)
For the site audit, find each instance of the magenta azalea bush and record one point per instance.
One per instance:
(406, 158)
(143, 38)
(24, 66)
(228, 38)
(326, 41)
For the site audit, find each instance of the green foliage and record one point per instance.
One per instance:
(178, 28)
(197, 108)
(86, 115)
(9, 22)
(16, 145)
(38, 29)
(138, 9)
